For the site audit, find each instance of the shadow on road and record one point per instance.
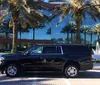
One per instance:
(36, 78)
(52, 75)
(90, 74)
(25, 82)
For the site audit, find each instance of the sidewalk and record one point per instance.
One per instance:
(96, 66)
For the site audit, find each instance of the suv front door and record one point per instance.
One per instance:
(31, 58)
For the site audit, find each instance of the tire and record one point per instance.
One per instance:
(71, 71)
(12, 70)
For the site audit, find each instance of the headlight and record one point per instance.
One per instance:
(1, 58)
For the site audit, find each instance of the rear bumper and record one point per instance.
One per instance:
(86, 66)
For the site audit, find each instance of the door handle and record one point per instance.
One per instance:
(44, 60)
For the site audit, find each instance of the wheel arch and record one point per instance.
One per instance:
(11, 62)
(71, 62)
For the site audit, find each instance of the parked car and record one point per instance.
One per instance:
(69, 59)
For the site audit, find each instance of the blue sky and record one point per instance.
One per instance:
(46, 0)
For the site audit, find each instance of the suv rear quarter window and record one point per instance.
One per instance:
(76, 49)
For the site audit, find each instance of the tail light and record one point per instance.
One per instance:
(91, 58)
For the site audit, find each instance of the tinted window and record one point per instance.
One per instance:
(76, 49)
(50, 49)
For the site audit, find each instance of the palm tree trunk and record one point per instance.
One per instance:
(98, 38)
(14, 40)
(15, 17)
(78, 24)
(20, 37)
(67, 37)
(20, 34)
(33, 33)
(71, 37)
(91, 38)
(85, 38)
(6, 37)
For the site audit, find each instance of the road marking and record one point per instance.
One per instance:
(68, 83)
(35, 78)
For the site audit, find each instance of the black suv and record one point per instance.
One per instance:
(68, 59)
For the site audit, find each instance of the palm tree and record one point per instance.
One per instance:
(67, 29)
(57, 0)
(85, 30)
(59, 40)
(23, 14)
(78, 10)
(49, 31)
(4, 29)
(73, 31)
(97, 30)
(96, 2)
(91, 32)
(21, 30)
(54, 40)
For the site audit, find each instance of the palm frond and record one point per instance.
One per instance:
(92, 16)
(77, 3)
(84, 15)
(11, 22)
(32, 22)
(65, 12)
(65, 9)
(3, 17)
(26, 8)
(13, 2)
(23, 24)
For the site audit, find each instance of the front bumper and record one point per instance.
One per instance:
(2, 66)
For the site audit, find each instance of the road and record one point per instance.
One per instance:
(90, 77)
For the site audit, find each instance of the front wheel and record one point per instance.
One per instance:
(12, 70)
(71, 71)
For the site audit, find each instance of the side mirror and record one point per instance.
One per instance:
(28, 53)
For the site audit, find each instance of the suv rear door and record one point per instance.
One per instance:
(50, 57)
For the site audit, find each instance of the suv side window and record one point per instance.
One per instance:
(37, 49)
(51, 49)
(76, 49)
(34, 50)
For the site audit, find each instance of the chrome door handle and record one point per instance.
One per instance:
(44, 60)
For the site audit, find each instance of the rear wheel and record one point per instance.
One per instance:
(71, 71)
(12, 70)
